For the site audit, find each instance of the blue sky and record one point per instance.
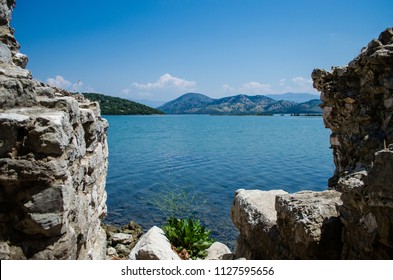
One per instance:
(160, 49)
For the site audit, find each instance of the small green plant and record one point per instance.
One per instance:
(188, 234)
(176, 201)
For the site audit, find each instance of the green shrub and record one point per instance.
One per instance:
(188, 234)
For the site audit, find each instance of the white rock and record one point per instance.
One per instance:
(13, 117)
(253, 213)
(5, 54)
(122, 238)
(254, 207)
(218, 251)
(111, 251)
(21, 60)
(153, 245)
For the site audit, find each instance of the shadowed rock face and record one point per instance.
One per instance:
(367, 212)
(357, 103)
(309, 225)
(53, 164)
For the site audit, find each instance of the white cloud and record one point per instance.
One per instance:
(166, 81)
(256, 88)
(297, 84)
(282, 82)
(303, 82)
(165, 88)
(60, 82)
(248, 88)
(228, 89)
(77, 86)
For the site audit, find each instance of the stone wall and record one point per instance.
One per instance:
(53, 164)
(358, 108)
(367, 212)
(357, 105)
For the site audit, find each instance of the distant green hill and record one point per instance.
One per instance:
(196, 103)
(118, 106)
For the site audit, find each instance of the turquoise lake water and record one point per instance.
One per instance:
(202, 160)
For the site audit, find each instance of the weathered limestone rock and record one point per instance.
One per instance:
(367, 212)
(5, 54)
(5, 12)
(309, 225)
(253, 213)
(277, 225)
(53, 164)
(153, 245)
(218, 251)
(122, 238)
(7, 33)
(357, 106)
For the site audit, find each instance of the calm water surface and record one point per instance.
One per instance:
(209, 157)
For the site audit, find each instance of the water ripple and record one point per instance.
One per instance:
(213, 157)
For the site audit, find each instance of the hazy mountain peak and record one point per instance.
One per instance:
(296, 97)
(197, 103)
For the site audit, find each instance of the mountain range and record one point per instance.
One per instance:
(196, 103)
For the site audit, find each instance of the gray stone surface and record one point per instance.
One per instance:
(5, 54)
(20, 60)
(153, 245)
(357, 106)
(277, 225)
(219, 251)
(309, 226)
(253, 213)
(122, 238)
(53, 164)
(367, 212)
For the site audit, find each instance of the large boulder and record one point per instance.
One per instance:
(218, 251)
(153, 245)
(277, 225)
(309, 225)
(253, 213)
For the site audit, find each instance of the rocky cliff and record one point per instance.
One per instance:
(357, 103)
(53, 164)
(358, 108)
(352, 220)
